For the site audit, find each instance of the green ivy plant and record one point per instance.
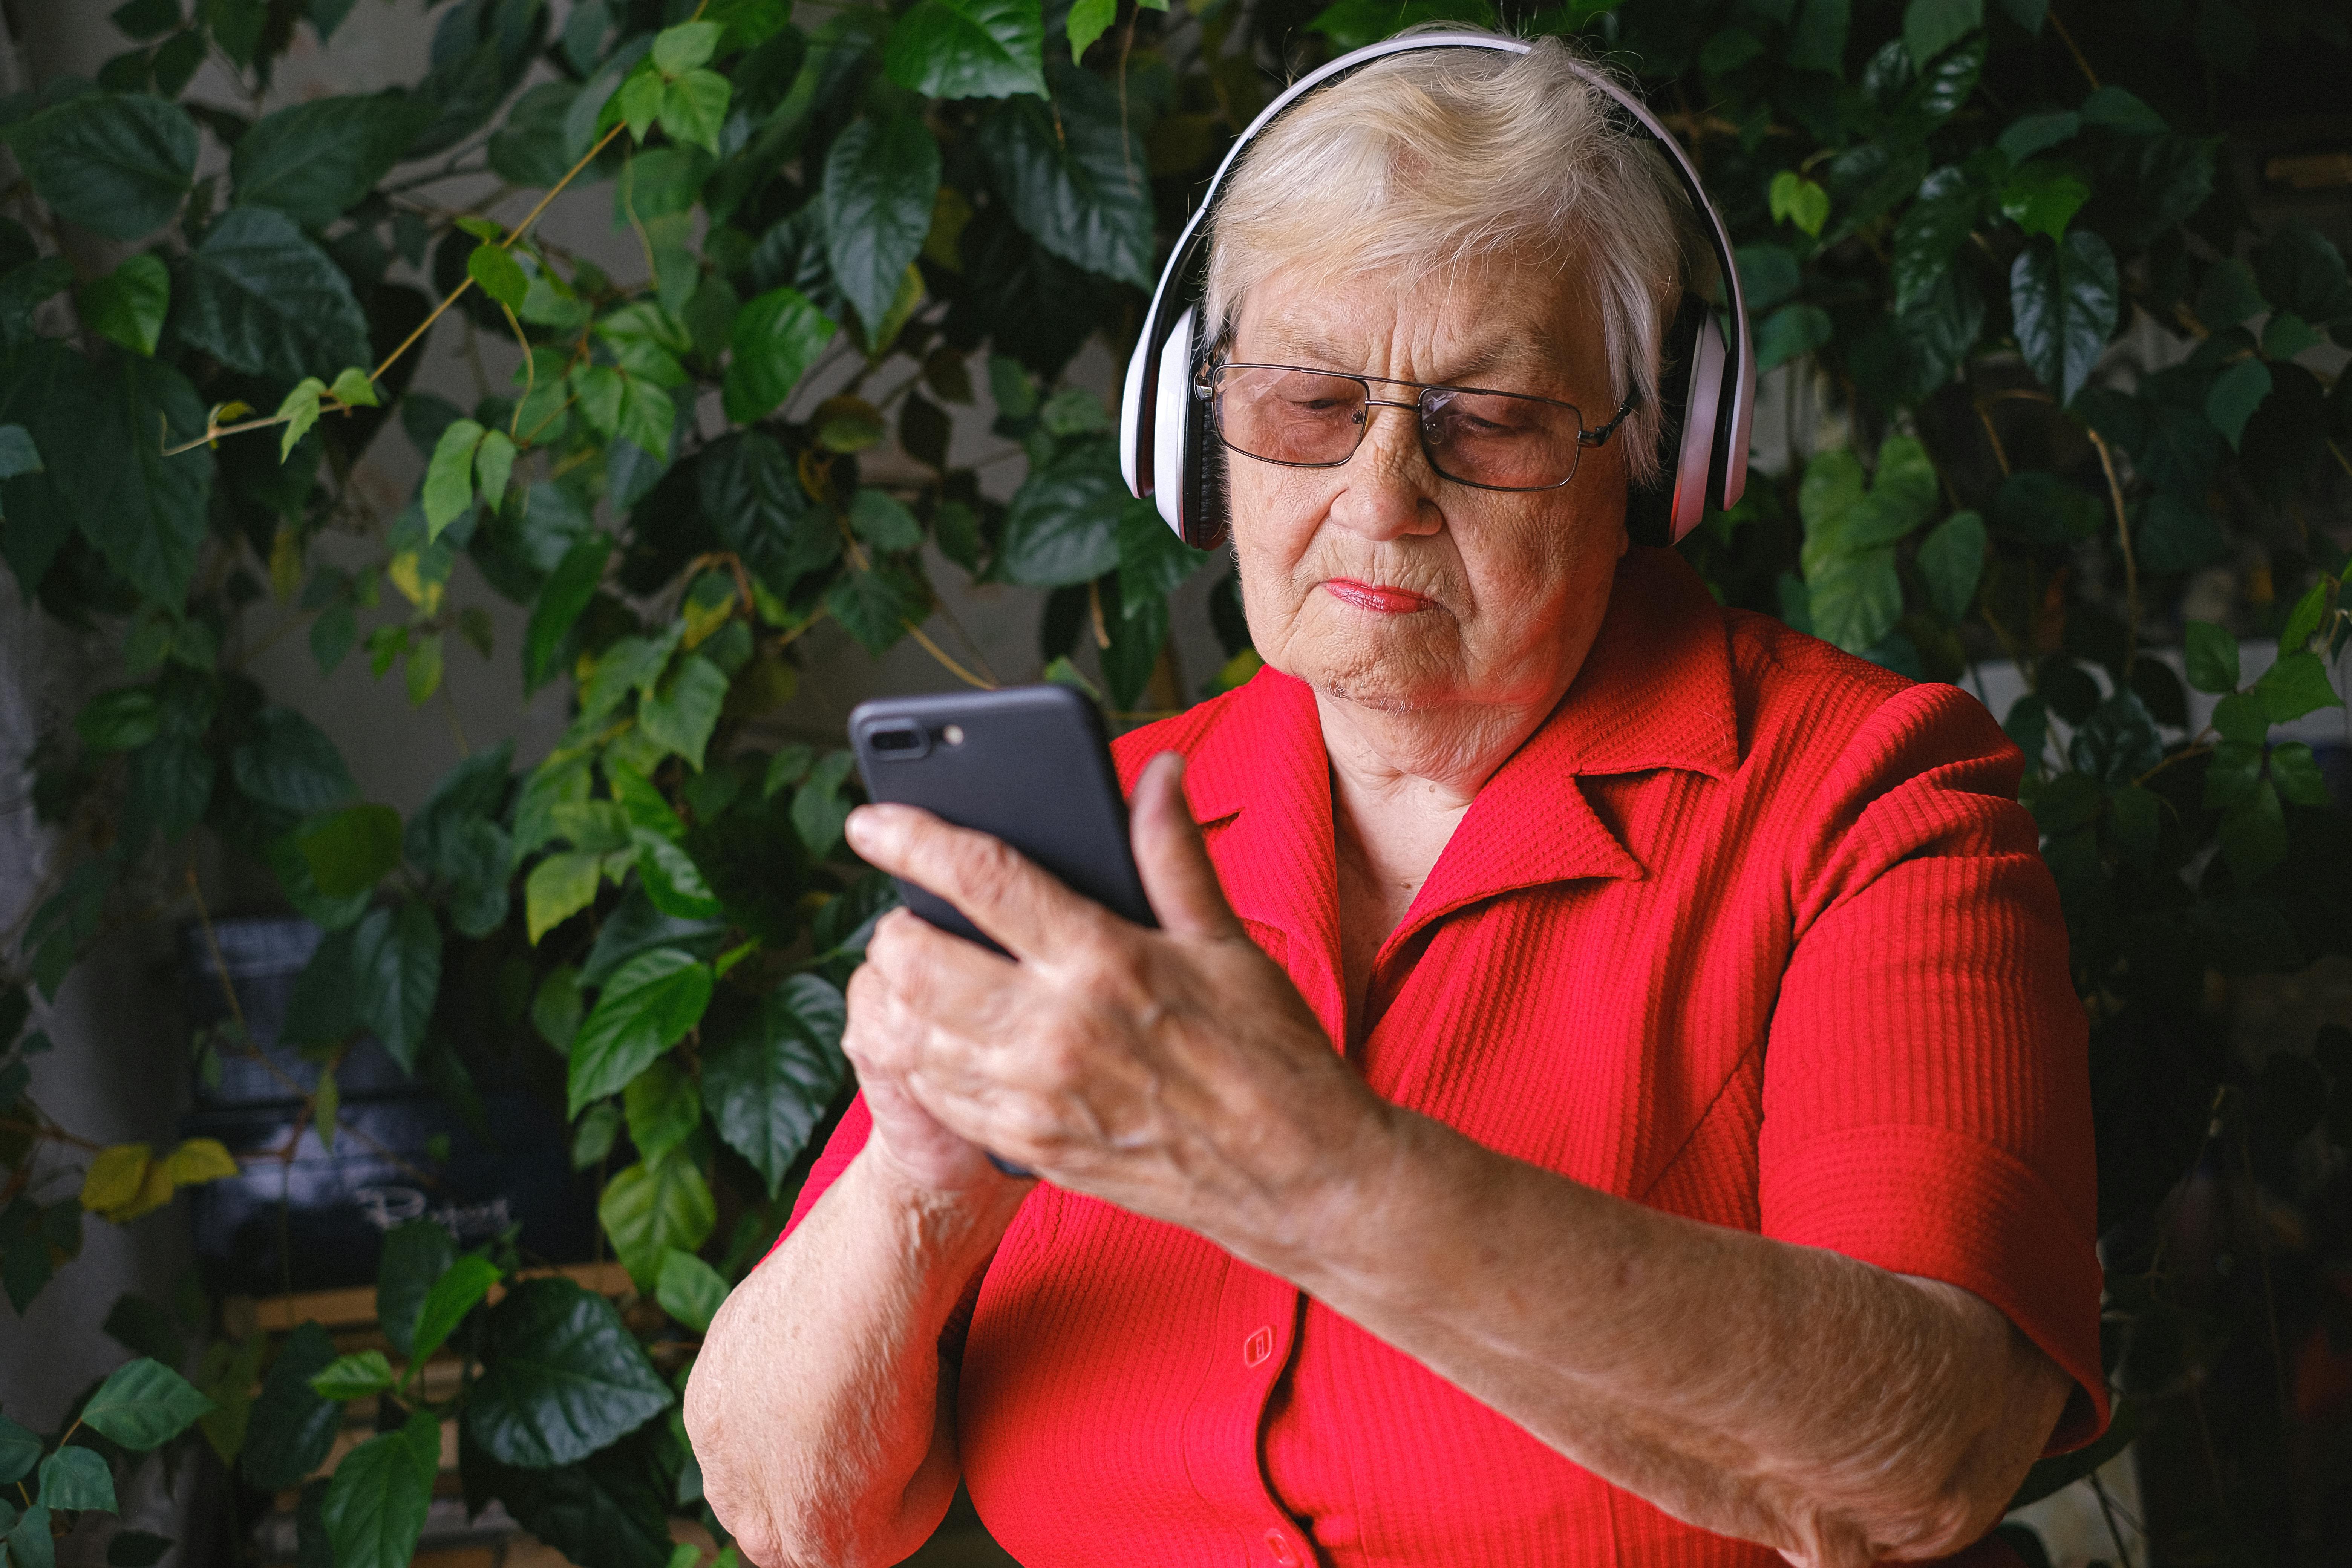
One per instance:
(1946, 213)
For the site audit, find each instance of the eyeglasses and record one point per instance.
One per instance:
(1304, 418)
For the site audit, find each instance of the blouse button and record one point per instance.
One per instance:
(1280, 1548)
(1257, 1347)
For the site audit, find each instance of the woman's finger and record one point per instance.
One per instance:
(1022, 907)
(1173, 858)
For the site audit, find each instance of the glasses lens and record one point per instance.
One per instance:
(1501, 441)
(1286, 415)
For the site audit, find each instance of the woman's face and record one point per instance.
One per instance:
(1380, 583)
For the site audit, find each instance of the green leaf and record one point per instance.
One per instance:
(495, 271)
(776, 337)
(672, 879)
(2135, 824)
(291, 1429)
(2300, 270)
(691, 1291)
(558, 888)
(2228, 296)
(605, 1512)
(2043, 198)
(2211, 657)
(1931, 26)
(1791, 331)
(1089, 19)
(662, 1109)
(1768, 275)
(101, 429)
(145, 20)
(882, 521)
(1798, 200)
(819, 807)
(128, 305)
(1074, 176)
(377, 1498)
(638, 100)
(30, 1544)
(562, 1378)
(566, 594)
(646, 1007)
(556, 1006)
(2253, 833)
(2296, 685)
(1930, 230)
(20, 1450)
(876, 606)
(415, 1254)
(262, 299)
(358, 1375)
(2287, 334)
(881, 182)
(693, 109)
(681, 713)
(314, 161)
(1856, 599)
(76, 1478)
(289, 763)
(449, 477)
(1817, 38)
(2240, 717)
(494, 462)
(1061, 526)
(2063, 298)
(454, 1295)
(141, 1404)
(2304, 618)
(2236, 393)
(771, 1080)
(653, 1207)
(116, 163)
(2231, 771)
(122, 720)
(301, 411)
(2117, 744)
(397, 961)
(2118, 110)
(351, 850)
(2296, 774)
(967, 48)
(1951, 558)
(686, 47)
(1153, 562)
(2031, 133)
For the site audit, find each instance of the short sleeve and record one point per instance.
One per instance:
(1926, 1080)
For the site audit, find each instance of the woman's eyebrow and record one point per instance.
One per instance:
(1512, 353)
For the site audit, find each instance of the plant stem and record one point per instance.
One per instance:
(2073, 49)
(2123, 533)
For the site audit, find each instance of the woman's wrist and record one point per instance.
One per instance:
(939, 1226)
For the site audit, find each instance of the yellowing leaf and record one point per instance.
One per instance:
(405, 576)
(285, 564)
(114, 1177)
(199, 1159)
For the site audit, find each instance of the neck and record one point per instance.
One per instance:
(1431, 759)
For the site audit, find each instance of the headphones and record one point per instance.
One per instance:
(1168, 445)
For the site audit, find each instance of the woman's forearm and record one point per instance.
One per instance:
(1776, 1393)
(818, 1409)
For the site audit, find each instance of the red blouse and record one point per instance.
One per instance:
(1748, 930)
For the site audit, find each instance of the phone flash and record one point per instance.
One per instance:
(952, 734)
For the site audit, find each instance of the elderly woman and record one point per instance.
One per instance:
(1605, 1087)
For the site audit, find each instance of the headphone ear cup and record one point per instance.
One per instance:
(1650, 505)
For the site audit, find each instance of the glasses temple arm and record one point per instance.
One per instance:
(1597, 438)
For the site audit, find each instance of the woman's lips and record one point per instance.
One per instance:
(1372, 597)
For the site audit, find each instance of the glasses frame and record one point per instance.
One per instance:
(1204, 387)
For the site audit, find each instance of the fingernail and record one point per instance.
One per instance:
(860, 828)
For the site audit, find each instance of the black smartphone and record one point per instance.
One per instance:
(1028, 765)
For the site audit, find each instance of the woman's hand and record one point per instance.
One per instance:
(1176, 1073)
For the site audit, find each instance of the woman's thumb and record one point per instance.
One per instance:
(1171, 856)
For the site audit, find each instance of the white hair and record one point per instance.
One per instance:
(1428, 161)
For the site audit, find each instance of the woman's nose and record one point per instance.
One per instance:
(1388, 489)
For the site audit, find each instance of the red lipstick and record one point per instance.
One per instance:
(1370, 596)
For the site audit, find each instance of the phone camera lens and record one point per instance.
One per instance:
(952, 734)
(897, 743)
